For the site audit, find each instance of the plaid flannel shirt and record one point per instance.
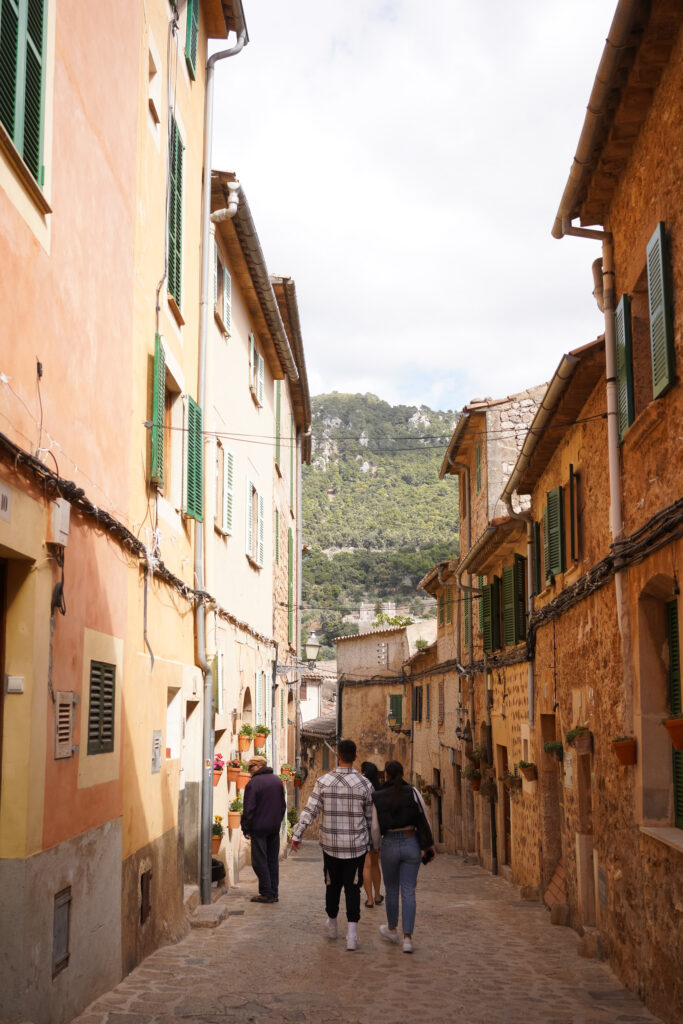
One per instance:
(345, 798)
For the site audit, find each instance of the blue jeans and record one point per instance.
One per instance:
(400, 856)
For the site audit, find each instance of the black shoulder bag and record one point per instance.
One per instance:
(422, 828)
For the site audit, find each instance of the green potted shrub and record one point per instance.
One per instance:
(528, 770)
(235, 812)
(261, 734)
(554, 749)
(243, 776)
(512, 781)
(581, 739)
(246, 734)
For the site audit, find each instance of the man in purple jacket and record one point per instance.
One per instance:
(264, 809)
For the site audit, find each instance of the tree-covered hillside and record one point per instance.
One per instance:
(376, 515)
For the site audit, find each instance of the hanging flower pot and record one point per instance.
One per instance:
(216, 777)
(476, 783)
(233, 771)
(674, 727)
(244, 742)
(234, 819)
(243, 779)
(215, 844)
(625, 749)
(297, 782)
(528, 770)
(581, 739)
(554, 749)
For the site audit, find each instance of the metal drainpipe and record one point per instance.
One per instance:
(299, 591)
(608, 305)
(468, 507)
(200, 611)
(489, 755)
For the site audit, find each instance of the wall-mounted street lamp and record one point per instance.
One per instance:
(311, 649)
(464, 734)
(392, 722)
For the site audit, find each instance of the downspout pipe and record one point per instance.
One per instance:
(526, 518)
(200, 610)
(606, 299)
(489, 758)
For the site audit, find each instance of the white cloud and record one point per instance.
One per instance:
(404, 161)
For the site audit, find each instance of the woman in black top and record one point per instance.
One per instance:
(372, 875)
(396, 812)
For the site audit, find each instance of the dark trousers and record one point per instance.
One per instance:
(346, 874)
(265, 852)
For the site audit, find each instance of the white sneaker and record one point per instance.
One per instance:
(352, 942)
(332, 927)
(387, 933)
(407, 946)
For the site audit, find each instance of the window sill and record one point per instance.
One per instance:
(253, 563)
(21, 170)
(672, 837)
(175, 309)
(649, 419)
(220, 531)
(219, 320)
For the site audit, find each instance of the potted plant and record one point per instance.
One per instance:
(218, 766)
(292, 818)
(528, 770)
(261, 734)
(625, 749)
(216, 833)
(512, 781)
(246, 734)
(235, 812)
(234, 767)
(243, 776)
(581, 739)
(554, 749)
(286, 773)
(674, 726)
(473, 774)
(476, 755)
(300, 776)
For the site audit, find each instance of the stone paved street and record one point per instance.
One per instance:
(482, 956)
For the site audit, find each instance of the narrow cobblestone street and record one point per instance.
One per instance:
(482, 956)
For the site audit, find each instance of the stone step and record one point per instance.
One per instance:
(208, 916)
(190, 897)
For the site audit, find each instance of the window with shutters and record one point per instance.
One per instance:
(480, 606)
(175, 219)
(442, 703)
(64, 724)
(442, 608)
(478, 466)
(491, 607)
(449, 605)
(537, 550)
(661, 333)
(514, 602)
(194, 462)
(222, 293)
(290, 586)
(573, 517)
(257, 372)
(22, 80)
(101, 708)
(278, 424)
(553, 534)
(225, 489)
(192, 37)
(396, 707)
(624, 365)
(255, 525)
(428, 702)
(417, 703)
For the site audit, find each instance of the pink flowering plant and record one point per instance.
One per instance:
(218, 763)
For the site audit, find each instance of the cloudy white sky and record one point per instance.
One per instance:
(404, 160)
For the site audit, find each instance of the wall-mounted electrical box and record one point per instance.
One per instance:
(58, 522)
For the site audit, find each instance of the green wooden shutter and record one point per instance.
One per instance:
(191, 37)
(228, 490)
(396, 707)
(102, 707)
(509, 632)
(260, 378)
(573, 545)
(676, 704)
(478, 457)
(158, 411)
(556, 530)
(519, 567)
(195, 462)
(175, 212)
(260, 536)
(487, 623)
(495, 612)
(252, 360)
(227, 300)
(449, 604)
(466, 610)
(661, 334)
(547, 574)
(249, 521)
(480, 603)
(624, 364)
(538, 585)
(22, 78)
(278, 406)
(290, 586)
(428, 694)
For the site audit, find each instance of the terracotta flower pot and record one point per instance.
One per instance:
(234, 819)
(244, 742)
(674, 727)
(625, 750)
(530, 772)
(232, 774)
(242, 779)
(476, 783)
(583, 742)
(260, 740)
(217, 776)
(297, 782)
(215, 844)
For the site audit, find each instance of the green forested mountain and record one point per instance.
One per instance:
(376, 516)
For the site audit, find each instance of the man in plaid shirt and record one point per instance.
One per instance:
(345, 798)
